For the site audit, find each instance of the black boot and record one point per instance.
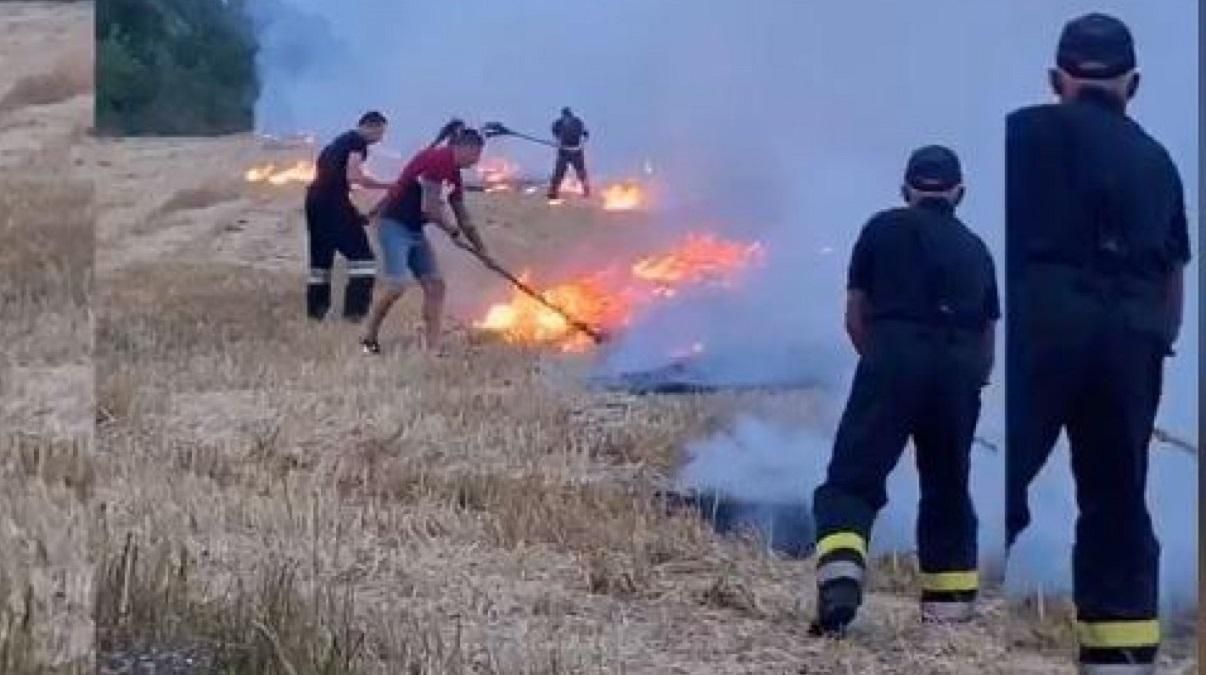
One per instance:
(837, 604)
(318, 300)
(357, 297)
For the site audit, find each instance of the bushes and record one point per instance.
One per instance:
(174, 67)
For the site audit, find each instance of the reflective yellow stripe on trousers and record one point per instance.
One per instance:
(951, 582)
(1118, 634)
(841, 540)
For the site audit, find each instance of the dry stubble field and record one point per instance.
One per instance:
(261, 498)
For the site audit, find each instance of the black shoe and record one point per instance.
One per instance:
(371, 347)
(837, 604)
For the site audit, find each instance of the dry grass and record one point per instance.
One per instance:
(71, 75)
(202, 197)
(46, 467)
(464, 513)
(46, 470)
(45, 263)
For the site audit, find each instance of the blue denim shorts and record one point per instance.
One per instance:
(406, 253)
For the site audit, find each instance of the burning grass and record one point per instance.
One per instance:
(608, 299)
(626, 196)
(301, 171)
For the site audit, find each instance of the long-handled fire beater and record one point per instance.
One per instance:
(492, 129)
(585, 328)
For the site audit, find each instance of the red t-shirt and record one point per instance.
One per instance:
(404, 203)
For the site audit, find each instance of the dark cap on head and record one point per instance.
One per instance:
(1095, 47)
(933, 168)
(566, 111)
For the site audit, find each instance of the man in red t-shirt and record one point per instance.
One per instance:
(415, 200)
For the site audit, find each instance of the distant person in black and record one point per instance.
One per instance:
(921, 311)
(1097, 246)
(570, 133)
(334, 223)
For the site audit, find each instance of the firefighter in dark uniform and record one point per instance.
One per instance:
(334, 224)
(570, 132)
(1097, 241)
(921, 311)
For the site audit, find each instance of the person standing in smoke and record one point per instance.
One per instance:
(921, 311)
(570, 132)
(334, 224)
(1098, 241)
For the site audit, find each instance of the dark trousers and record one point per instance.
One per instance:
(1088, 360)
(920, 382)
(336, 226)
(566, 159)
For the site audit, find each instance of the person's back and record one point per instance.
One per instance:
(921, 311)
(923, 264)
(335, 225)
(404, 200)
(1099, 191)
(569, 131)
(330, 169)
(1097, 240)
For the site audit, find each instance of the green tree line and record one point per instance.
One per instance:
(174, 67)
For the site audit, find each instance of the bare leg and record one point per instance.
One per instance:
(433, 309)
(384, 301)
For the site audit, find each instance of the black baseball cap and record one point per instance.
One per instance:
(1095, 47)
(934, 168)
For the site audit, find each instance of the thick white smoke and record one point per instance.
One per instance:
(757, 461)
(786, 121)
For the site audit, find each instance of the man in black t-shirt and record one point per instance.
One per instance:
(570, 132)
(334, 224)
(921, 312)
(1097, 241)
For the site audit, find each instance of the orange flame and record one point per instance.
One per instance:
(609, 298)
(523, 320)
(701, 257)
(626, 196)
(301, 172)
(497, 172)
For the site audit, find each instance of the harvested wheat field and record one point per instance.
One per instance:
(46, 404)
(265, 499)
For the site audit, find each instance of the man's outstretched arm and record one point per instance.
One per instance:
(357, 176)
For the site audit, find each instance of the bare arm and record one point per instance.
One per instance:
(357, 176)
(857, 308)
(433, 206)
